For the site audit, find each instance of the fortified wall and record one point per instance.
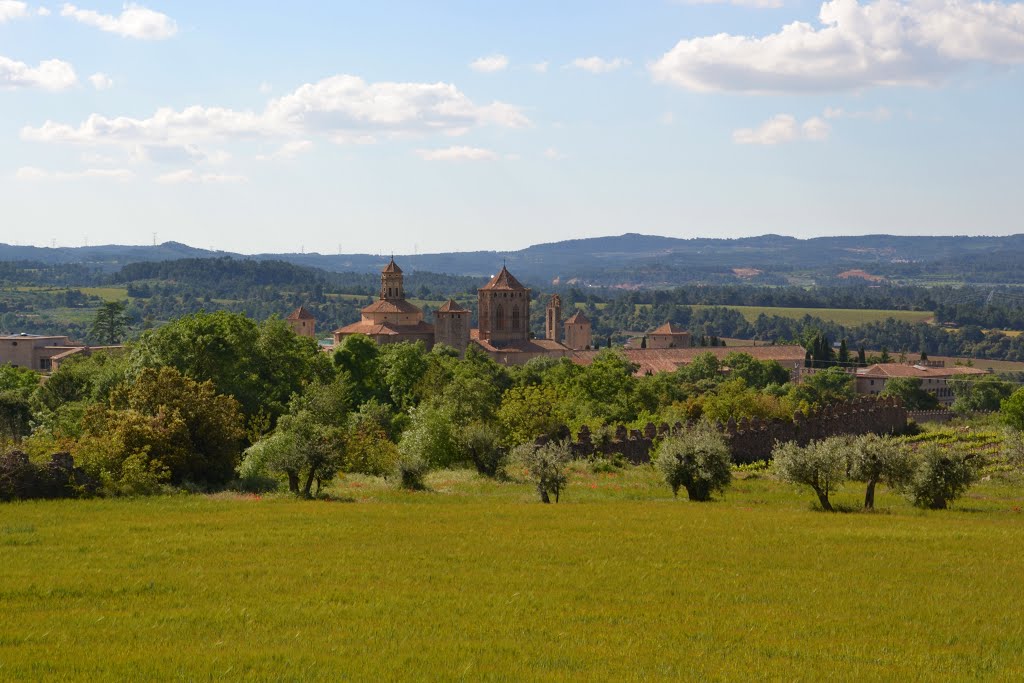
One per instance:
(751, 440)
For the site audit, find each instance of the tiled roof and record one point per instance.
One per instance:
(670, 328)
(886, 370)
(300, 313)
(392, 267)
(391, 306)
(374, 329)
(577, 318)
(668, 360)
(504, 280)
(451, 307)
(528, 346)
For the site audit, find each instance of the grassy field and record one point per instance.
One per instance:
(842, 316)
(473, 580)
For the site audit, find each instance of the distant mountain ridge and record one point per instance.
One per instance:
(629, 258)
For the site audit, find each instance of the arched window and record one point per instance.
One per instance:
(515, 317)
(499, 317)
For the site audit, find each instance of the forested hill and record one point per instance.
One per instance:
(647, 261)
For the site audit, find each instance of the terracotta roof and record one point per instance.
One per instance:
(577, 318)
(391, 306)
(528, 346)
(504, 280)
(886, 370)
(669, 360)
(392, 267)
(374, 329)
(300, 313)
(670, 328)
(451, 307)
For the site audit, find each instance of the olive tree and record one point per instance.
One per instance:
(942, 476)
(874, 459)
(697, 460)
(820, 465)
(546, 466)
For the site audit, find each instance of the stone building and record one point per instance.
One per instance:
(553, 319)
(934, 377)
(669, 336)
(578, 335)
(43, 353)
(504, 311)
(451, 326)
(390, 319)
(302, 323)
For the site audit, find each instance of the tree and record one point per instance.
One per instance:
(110, 323)
(756, 373)
(15, 416)
(862, 358)
(697, 460)
(531, 411)
(832, 385)
(909, 391)
(985, 394)
(1012, 410)
(942, 476)
(820, 465)
(844, 354)
(432, 435)
(546, 466)
(874, 459)
(14, 378)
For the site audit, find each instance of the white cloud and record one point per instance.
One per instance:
(597, 65)
(881, 43)
(288, 150)
(134, 21)
(489, 64)
(12, 9)
(343, 109)
(188, 175)
(37, 174)
(457, 154)
(43, 11)
(52, 74)
(266, 88)
(101, 81)
(540, 67)
(759, 4)
(783, 128)
(553, 154)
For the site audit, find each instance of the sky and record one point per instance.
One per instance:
(420, 127)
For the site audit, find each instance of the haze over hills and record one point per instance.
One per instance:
(640, 260)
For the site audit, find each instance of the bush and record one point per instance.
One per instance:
(820, 465)
(22, 479)
(942, 476)
(874, 459)
(698, 461)
(546, 466)
(482, 443)
(410, 470)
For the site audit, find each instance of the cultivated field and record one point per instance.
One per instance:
(473, 580)
(849, 317)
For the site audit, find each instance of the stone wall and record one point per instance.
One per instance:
(751, 440)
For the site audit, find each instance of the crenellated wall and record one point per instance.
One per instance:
(751, 440)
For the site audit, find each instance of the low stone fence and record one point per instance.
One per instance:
(753, 439)
(921, 416)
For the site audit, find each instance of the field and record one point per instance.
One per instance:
(473, 580)
(849, 317)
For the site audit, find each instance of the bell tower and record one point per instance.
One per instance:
(553, 319)
(391, 286)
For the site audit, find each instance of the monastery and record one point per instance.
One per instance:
(503, 330)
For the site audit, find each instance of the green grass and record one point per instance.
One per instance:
(107, 293)
(850, 317)
(474, 580)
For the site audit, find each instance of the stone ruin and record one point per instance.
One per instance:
(749, 440)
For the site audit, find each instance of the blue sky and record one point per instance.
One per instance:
(438, 126)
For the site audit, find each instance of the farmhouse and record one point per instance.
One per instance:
(934, 377)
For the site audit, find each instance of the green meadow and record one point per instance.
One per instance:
(850, 317)
(474, 580)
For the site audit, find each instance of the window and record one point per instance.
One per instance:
(515, 317)
(499, 317)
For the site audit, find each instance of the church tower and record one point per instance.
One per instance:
(391, 286)
(578, 332)
(504, 309)
(451, 326)
(553, 319)
(302, 322)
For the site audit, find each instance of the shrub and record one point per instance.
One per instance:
(546, 466)
(698, 461)
(942, 476)
(1013, 448)
(820, 465)
(368, 450)
(22, 479)
(410, 470)
(482, 443)
(874, 459)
